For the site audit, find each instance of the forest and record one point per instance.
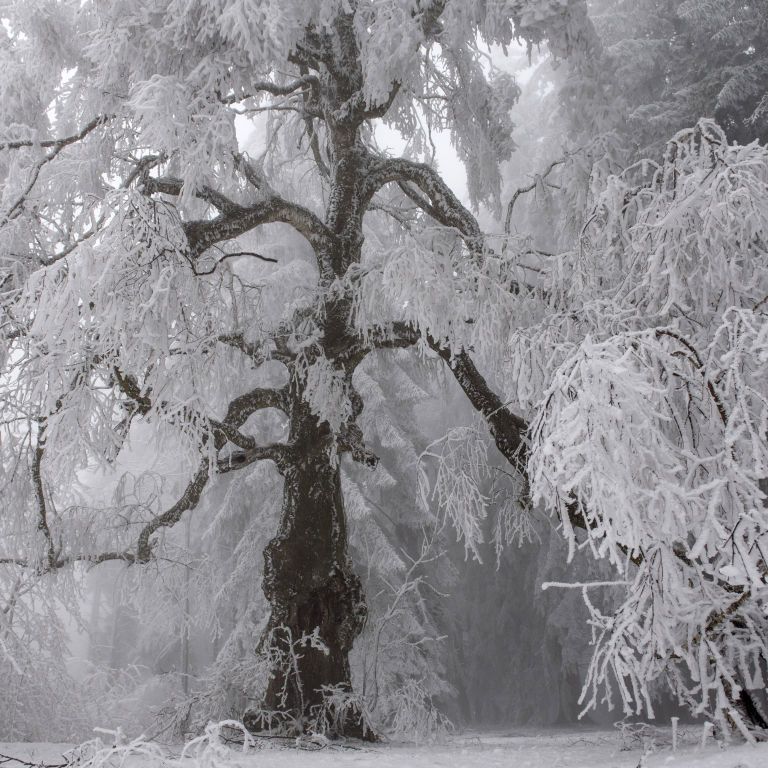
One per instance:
(374, 370)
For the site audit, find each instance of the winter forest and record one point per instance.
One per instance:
(373, 371)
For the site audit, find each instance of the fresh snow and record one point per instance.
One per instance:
(545, 748)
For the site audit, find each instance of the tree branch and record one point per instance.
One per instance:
(273, 88)
(529, 188)
(172, 515)
(280, 453)
(170, 185)
(242, 407)
(42, 507)
(57, 146)
(443, 205)
(509, 431)
(226, 256)
(201, 235)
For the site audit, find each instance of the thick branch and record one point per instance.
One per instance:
(257, 399)
(274, 209)
(238, 341)
(507, 429)
(170, 185)
(397, 336)
(443, 206)
(244, 406)
(236, 219)
(280, 453)
(351, 441)
(275, 89)
(42, 507)
(130, 388)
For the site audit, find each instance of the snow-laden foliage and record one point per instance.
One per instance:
(651, 429)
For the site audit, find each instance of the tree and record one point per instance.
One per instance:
(177, 288)
(668, 196)
(126, 201)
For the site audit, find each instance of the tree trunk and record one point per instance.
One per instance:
(318, 607)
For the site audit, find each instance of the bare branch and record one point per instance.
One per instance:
(5, 759)
(71, 246)
(57, 144)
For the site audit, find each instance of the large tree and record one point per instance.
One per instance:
(126, 198)
(132, 218)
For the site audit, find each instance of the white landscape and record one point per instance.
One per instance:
(387, 379)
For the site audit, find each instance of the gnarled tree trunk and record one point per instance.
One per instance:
(318, 607)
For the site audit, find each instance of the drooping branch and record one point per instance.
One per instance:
(509, 431)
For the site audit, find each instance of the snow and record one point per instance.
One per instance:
(545, 748)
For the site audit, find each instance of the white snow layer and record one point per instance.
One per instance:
(576, 748)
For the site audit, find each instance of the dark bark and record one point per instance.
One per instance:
(310, 585)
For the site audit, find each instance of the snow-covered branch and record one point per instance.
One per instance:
(443, 203)
(235, 219)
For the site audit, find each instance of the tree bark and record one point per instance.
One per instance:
(311, 587)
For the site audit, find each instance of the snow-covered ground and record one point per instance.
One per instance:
(519, 749)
